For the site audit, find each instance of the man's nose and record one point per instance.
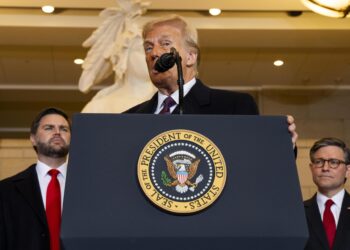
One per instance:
(157, 51)
(57, 130)
(326, 165)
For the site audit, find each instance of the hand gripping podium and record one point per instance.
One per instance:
(105, 206)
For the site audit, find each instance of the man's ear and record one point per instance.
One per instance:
(32, 139)
(347, 174)
(310, 166)
(191, 58)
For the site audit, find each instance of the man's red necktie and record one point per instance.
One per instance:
(329, 223)
(53, 209)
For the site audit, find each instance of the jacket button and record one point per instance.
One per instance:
(43, 235)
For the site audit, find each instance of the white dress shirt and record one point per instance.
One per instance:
(44, 178)
(175, 96)
(335, 208)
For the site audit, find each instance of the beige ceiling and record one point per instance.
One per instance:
(37, 50)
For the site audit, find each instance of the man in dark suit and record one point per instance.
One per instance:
(27, 199)
(163, 35)
(328, 211)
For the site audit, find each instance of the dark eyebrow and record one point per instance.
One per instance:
(52, 125)
(163, 37)
(147, 43)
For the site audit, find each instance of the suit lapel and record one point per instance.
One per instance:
(198, 96)
(150, 106)
(27, 185)
(343, 223)
(313, 214)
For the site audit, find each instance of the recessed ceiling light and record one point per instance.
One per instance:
(78, 61)
(48, 9)
(214, 11)
(278, 63)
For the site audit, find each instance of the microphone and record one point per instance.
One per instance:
(166, 61)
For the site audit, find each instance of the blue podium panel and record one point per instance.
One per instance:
(105, 208)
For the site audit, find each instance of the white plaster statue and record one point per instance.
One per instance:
(116, 46)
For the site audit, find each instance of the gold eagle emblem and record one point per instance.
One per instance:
(182, 169)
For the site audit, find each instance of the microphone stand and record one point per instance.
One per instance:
(180, 80)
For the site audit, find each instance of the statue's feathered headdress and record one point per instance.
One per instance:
(110, 43)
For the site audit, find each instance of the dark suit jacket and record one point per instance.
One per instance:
(207, 101)
(23, 224)
(317, 236)
(204, 100)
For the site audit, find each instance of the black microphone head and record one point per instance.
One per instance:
(165, 62)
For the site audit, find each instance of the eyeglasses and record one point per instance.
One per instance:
(332, 163)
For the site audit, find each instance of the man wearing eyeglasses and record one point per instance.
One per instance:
(328, 211)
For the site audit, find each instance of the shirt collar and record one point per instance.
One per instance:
(42, 169)
(337, 198)
(187, 87)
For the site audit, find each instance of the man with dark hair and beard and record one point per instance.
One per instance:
(31, 201)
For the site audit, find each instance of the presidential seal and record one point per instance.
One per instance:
(181, 171)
